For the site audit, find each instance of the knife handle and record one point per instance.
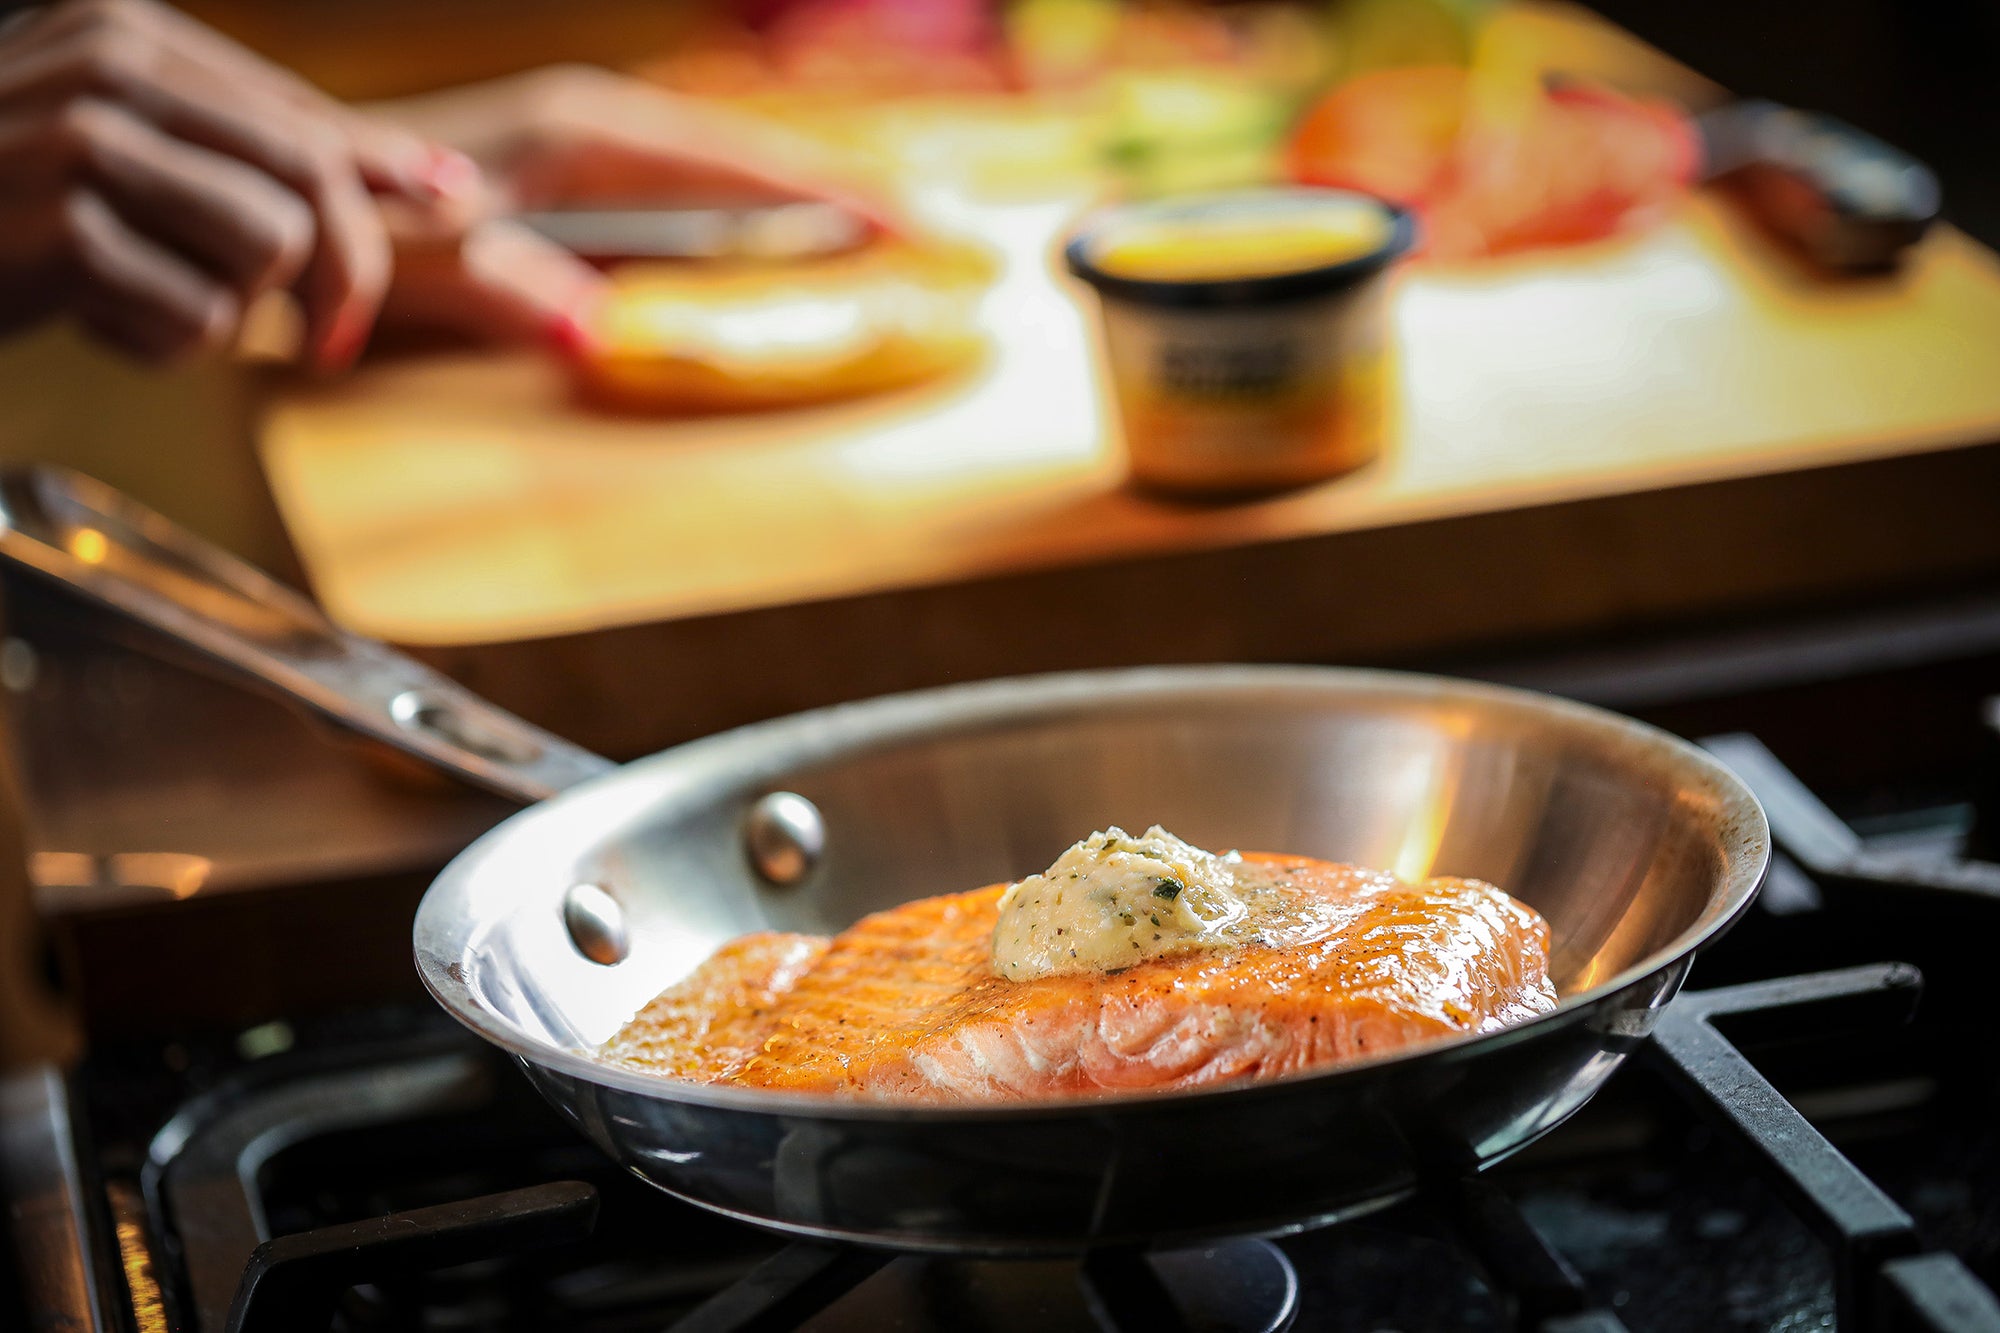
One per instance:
(1851, 202)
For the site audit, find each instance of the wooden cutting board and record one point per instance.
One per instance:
(464, 503)
(465, 499)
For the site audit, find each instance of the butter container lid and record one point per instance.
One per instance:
(1242, 247)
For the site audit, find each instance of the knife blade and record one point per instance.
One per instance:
(800, 230)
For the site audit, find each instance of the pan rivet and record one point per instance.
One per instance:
(784, 835)
(596, 924)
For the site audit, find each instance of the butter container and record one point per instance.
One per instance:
(1246, 333)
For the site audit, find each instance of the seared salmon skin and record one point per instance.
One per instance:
(906, 1005)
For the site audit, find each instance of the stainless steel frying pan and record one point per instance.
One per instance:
(551, 930)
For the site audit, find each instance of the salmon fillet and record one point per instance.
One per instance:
(905, 1004)
(715, 1021)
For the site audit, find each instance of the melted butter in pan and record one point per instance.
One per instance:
(1115, 899)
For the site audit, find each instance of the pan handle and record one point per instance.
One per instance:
(101, 545)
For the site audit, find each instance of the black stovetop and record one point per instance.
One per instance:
(414, 1181)
(1655, 1208)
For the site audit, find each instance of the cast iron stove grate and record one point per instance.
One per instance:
(494, 1218)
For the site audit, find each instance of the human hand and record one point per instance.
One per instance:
(576, 134)
(158, 178)
(492, 282)
(568, 135)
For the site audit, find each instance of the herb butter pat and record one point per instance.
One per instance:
(1113, 900)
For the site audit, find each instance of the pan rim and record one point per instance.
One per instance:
(807, 736)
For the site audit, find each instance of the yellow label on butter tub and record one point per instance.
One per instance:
(1269, 396)
(1220, 249)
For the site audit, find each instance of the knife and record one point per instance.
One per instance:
(1849, 201)
(801, 230)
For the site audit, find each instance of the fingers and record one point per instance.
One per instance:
(236, 222)
(393, 160)
(318, 230)
(568, 134)
(267, 117)
(387, 157)
(549, 287)
(139, 296)
(140, 49)
(209, 175)
(499, 283)
(34, 279)
(349, 267)
(349, 272)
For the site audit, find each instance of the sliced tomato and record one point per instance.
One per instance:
(1582, 163)
(1392, 133)
(1594, 163)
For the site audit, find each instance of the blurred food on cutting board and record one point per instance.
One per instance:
(465, 499)
(920, 124)
(747, 332)
(1495, 164)
(1473, 122)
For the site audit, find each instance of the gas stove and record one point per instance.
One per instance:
(1810, 1138)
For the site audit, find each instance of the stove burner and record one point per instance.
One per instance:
(1833, 853)
(294, 1283)
(1880, 1280)
(212, 1155)
(1238, 1286)
(217, 1151)
(478, 1204)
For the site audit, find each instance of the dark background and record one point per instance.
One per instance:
(1922, 74)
